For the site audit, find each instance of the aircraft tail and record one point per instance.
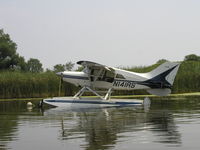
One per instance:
(162, 78)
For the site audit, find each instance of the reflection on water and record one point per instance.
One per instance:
(166, 123)
(102, 128)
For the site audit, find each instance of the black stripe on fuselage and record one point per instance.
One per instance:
(75, 77)
(116, 82)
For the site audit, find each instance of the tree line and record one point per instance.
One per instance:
(20, 78)
(12, 61)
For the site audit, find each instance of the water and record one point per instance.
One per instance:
(167, 124)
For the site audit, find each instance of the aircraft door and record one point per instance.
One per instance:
(95, 74)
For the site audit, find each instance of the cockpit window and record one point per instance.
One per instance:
(102, 75)
(109, 76)
(119, 76)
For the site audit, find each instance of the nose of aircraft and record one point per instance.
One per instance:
(59, 73)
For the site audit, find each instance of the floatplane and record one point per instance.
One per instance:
(97, 76)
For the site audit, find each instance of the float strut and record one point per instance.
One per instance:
(107, 96)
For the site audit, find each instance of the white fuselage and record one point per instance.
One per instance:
(121, 80)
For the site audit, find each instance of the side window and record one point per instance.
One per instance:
(119, 76)
(96, 74)
(108, 76)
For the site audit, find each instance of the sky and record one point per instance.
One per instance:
(111, 32)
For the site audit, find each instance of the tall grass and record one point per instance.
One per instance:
(188, 77)
(23, 85)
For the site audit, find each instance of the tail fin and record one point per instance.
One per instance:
(162, 78)
(167, 70)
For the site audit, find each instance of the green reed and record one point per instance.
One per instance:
(25, 84)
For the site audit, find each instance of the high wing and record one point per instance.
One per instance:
(91, 64)
(97, 71)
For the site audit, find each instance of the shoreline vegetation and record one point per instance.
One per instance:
(176, 96)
